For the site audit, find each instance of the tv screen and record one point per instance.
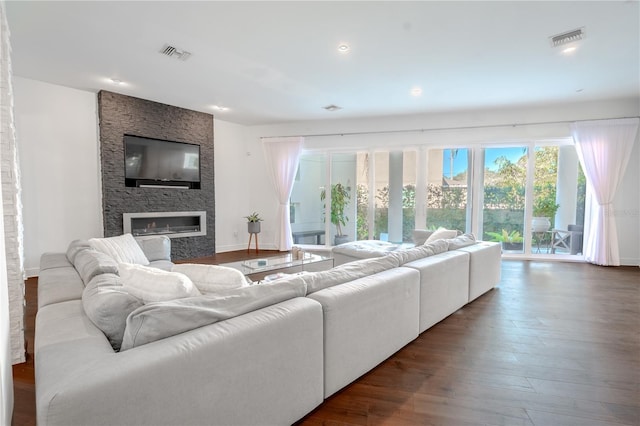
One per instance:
(159, 162)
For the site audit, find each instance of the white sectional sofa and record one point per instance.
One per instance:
(264, 354)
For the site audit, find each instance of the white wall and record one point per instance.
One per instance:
(58, 149)
(231, 163)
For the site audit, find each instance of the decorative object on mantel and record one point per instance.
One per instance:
(253, 227)
(340, 196)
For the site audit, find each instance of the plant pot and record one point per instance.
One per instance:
(340, 239)
(512, 246)
(540, 224)
(253, 227)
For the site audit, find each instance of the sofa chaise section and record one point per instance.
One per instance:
(366, 321)
(444, 285)
(263, 367)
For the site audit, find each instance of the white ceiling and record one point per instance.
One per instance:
(274, 62)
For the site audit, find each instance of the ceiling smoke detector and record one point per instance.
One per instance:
(174, 52)
(566, 38)
(332, 107)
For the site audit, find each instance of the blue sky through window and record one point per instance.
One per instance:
(460, 160)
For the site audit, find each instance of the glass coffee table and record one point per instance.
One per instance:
(258, 269)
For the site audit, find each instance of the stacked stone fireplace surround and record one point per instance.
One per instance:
(121, 114)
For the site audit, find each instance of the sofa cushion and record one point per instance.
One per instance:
(108, 304)
(365, 249)
(212, 278)
(442, 233)
(53, 260)
(460, 241)
(89, 263)
(420, 252)
(341, 274)
(164, 319)
(75, 247)
(123, 249)
(155, 285)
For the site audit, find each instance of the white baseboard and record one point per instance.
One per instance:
(31, 272)
(627, 261)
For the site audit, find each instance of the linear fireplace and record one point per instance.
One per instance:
(171, 224)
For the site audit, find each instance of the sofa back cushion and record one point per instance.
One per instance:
(123, 249)
(89, 263)
(316, 281)
(108, 304)
(460, 241)
(75, 247)
(156, 321)
(419, 252)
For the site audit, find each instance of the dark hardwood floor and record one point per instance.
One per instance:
(554, 344)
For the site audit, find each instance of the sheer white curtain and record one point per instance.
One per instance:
(603, 147)
(283, 156)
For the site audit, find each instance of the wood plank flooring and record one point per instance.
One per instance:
(554, 344)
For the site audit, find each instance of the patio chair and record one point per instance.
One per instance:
(570, 239)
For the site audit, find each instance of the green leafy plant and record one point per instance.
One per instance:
(340, 196)
(506, 236)
(545, 206)
(253, 217)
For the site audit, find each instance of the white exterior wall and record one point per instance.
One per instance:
(58, 146)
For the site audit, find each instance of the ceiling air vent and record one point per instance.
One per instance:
(566, 38)
(332, 107)
(174, 52)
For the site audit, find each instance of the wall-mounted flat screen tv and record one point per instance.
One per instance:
(156, 162)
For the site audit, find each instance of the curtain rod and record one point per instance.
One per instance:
(437, 129)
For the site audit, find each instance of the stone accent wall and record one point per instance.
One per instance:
(119, 115)
(11, 204)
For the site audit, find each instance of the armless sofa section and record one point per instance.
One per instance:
(270, 366)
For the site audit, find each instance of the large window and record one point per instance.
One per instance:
(529, 197)
(447, 189)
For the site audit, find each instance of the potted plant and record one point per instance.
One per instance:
(340, 196)
(253, 223)
(510, 240)
(544, 211)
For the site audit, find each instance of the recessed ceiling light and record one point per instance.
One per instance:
(569, 50)
(416, 91)
(343, 48)
(332, 107)
(220, 108)
(116, 81)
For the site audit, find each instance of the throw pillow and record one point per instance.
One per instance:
(164, 319)
(123, 249)
(155, 285)
(420, 236)
(211, 278)
(108, 304)
(440, 234)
